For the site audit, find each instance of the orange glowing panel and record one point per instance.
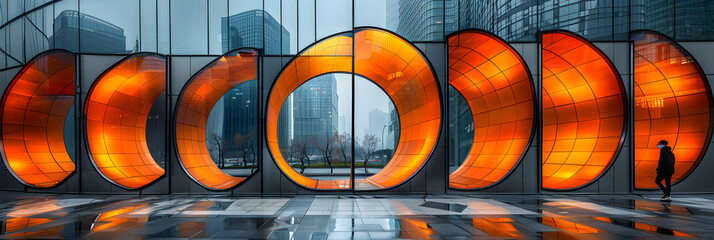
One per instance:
(584, 105)
(673, 102)
(35, 107)
(391, 63)
(498, 87)
(116, 112)
(197, 99)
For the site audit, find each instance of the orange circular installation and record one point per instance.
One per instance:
(498, 87)
(393, 64)
(34, 109)
(672, 102)
(583, 111)
(194, 106)
(116, 110)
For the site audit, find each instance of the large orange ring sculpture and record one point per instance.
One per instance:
(673, 101)
(197, 99)
(583, 110)
(34, 109)
(394, 65)
(116, 110)
(496, 83)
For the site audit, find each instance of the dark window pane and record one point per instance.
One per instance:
(695, 20)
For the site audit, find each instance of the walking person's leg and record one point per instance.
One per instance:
(668, 185)
(658, 181)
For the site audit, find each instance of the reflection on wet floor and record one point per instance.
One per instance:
(26, 215)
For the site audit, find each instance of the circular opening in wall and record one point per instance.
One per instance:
(315, 132)
(389, 62)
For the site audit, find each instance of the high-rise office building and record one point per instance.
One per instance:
(315, 110)
(247, 29)
(416, 20)
(377, 123)
(73, 29)
(240, 112)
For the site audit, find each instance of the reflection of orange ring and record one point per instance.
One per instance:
(34, 109)
(583, 111)
(498, 87)
(394, 65)
(117, 107)
(673, 101)
(195, 104)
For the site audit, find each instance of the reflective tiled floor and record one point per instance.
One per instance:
(27, 215)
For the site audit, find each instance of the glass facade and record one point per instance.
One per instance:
(281, 27)
(353, 95)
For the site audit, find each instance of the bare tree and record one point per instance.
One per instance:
(326, 146)
(344, 145)
(298, 150)
(369, 148)
(244, 144)
(216, 144)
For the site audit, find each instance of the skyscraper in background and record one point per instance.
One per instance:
(246, 30)
(518, 20)
(416, 20)
(240, 116)
(315, 109)
(96, 35)
(377, 123)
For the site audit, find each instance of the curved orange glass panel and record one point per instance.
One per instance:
(116, 111)
(498, 87)
(583, 111)
(197, 99)
(672, 102)
(34, 109)
(391, 63)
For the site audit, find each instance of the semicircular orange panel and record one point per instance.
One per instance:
(673, 102)
(584, 105)
(498, 87)
(117, 107)
(394, 65)
(197, 99)
(34, 110)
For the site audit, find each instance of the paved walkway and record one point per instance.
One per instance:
(27, 215)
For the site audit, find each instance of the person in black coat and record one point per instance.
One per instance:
(665, 169)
